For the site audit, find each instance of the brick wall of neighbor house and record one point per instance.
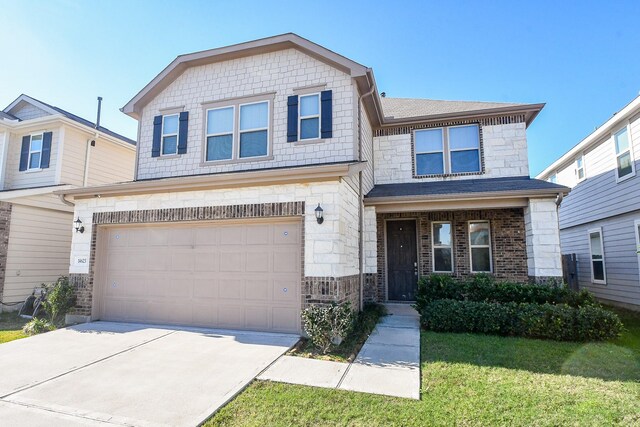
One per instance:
(5, 223)
(504, 152)
(329, 250)
(508, 244)
(543, 240)
(278, 72)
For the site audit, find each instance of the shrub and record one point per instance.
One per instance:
(37, 326)
(60, 299)
(328, 325)
(547, 321)
(484, 288)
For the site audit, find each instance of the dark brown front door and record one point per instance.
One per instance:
(402, 260)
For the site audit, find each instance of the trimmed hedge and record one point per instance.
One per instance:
(547, 321)
(484, 288)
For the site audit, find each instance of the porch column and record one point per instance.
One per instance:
(544, 259)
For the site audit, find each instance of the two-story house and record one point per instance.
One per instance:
(600, 219)
(271, 175)
(44, 148)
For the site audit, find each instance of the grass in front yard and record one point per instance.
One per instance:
(474, 380)
(11, 327)
(349, 348)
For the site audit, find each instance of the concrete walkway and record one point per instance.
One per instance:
(388, 363)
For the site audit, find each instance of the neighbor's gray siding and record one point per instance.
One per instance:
(621, 260)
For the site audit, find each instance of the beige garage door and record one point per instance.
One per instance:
(242, 275)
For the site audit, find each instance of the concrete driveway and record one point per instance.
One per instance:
(107, 373)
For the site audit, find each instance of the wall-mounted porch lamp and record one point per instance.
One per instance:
(79, 227)
(319, 214)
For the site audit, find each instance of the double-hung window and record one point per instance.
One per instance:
(624, 158)
(553, 178)
(170, 135)
(580, 174)
(35, 151)
(309, 116)
(442, 247)
(447, 150)
(480, 246)
(596, 250)
(237, 131)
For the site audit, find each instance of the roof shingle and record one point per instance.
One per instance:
(402, 108)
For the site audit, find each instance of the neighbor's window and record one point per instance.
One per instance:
(480, 246)
(553, 178)
(624, 159)
(35, 151)
(220, 133)
(170, 134)
(596, 247)
(580, 175)
(448, 150)
(238, 130)
(254, 129)
(636, 226)
(442, 248)
(309, 114)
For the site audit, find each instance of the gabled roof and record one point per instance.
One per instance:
(269, 44)
(57, 110)
(611, 125)
(7, 116)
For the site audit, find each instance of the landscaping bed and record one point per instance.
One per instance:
(364, 323)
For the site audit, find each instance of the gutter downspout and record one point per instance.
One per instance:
(361, 199)
(65, 201)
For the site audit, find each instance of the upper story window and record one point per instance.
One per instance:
(580, 173)
(624, 156)
(35, 151)
(237, 131)
(596, 248)
(170, 135)
(553, 178)
(447, 150)
(309, 116)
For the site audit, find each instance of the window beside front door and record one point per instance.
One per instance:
(480, 246)
(596, 249)
(447, 150)
(442, 247)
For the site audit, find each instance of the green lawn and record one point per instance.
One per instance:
(474, 380)
(11, 327)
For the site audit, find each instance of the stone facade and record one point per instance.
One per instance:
(5, 224)
(543, 239)
(508, 244)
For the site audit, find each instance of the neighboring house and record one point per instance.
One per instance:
(42, 149)
(600, 219)
(242, 148)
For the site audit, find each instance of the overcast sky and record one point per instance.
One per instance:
(581, 58)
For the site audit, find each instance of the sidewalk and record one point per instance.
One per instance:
(388, 363)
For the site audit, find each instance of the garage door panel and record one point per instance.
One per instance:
(228, 275)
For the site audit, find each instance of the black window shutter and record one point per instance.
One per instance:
(326, 125)
(182, 132)
(46, 150)
(157, 134)
(292, 118)
(24, 153)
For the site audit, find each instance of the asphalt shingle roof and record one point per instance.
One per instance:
(465, 186)
(400, 108)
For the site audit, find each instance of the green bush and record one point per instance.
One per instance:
(37, 326)
(485, 288)
(328, 325)
(559, 322)
(60, 299)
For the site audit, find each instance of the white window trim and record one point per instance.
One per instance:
(434, 246)
(479, 246)
(163, 135)
(207, 135)
(446, 151)
(604, 267)
(616, 155)
(577, 169)
(313, 116)
(39, 168)
(240, 132)
(554, 175)
(636, 224)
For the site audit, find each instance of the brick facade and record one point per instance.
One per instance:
(5, 224)
(508, 244)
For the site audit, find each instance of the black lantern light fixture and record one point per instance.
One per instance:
(319, 214)
(79, 226)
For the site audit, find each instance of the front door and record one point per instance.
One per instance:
(402, 260)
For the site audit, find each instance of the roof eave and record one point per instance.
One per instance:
(465, 196)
